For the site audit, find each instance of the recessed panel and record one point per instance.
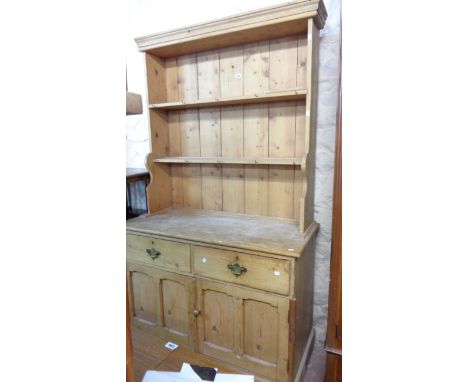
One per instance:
(219, 319)
(261, 331)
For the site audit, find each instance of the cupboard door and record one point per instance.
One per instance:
(244, 327)
(163, 303)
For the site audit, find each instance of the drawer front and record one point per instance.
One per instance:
(159, 253)
(258, 272)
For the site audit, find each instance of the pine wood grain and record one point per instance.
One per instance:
(232, 138)
(208, 75)
(252, 309)
(286, 95)
(232, 70)
(187, 77)
(162, 303)
(256, 233)
(210, 145)
(173, 256)
(231, 160)
(257, 68)
(232, 116)
(263, 273)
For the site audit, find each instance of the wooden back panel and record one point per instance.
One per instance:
(269, 130)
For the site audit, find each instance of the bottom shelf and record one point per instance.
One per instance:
(256, 233)
(229, 160)
(275, 189)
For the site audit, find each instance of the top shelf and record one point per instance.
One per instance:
(292, 95)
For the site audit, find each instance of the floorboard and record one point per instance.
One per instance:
(149, 353)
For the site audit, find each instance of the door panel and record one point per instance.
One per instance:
(218, 311)
(261, 331)
(143, 297)
(175, 306)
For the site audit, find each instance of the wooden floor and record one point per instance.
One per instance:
(149, 353)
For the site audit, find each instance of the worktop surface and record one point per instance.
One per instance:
(256, 233)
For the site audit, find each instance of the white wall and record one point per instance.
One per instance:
(145, 17)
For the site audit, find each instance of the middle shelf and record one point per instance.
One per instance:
(291, 95)
(231, 160)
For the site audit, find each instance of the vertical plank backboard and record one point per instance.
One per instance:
(282, 135)
(172, 86)
(282, 129)
(190, 146)
(256, 145)
(210, 145)
(231, 62)
(232, 131)
(281, 143)
(208, 75)
(281, 191)
(210, 132)
(175, 150)
(174, 133)
(283, 63)
(256, 68)
(232, 145)
(189, 133)
(187, 77)
(192, 186)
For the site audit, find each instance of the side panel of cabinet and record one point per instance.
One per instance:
(246, 328)
(162, 302)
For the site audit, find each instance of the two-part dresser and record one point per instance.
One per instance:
(223, 263)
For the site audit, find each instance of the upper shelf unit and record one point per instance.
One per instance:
(232, 113)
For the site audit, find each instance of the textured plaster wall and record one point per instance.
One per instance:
(146, 17)
(325, 156)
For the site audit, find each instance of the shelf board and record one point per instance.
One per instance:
(290, 95)
(227, 160)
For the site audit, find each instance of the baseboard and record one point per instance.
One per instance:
(305, 357)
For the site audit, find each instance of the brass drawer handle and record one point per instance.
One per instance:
(237, 269)
(153, 253)
(196, 312)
